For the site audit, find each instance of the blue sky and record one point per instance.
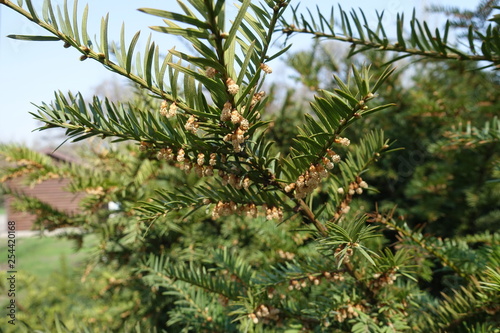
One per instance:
(30, 72)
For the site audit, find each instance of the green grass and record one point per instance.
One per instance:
(40, 256)
(48, 278)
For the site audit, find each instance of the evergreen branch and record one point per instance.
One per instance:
(419, 41)
(493, 280)
(36, 166)
(219, 47)
(396, 48)
(106, 119)
(343, 187)
(487, 237)
(198, 276)
(418, 238)
(101, 185)
(308, 268)
(224, 47)
(72, 40)
(308, 213)
(276, 15)
(389, 265)
(344, 239)
(335, 112)
(186, 293)
(470, 136)
(193, 300)
(234, 265)
(324, 233)
(227, 200)
(456, 309)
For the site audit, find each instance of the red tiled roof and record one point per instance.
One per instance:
(52, 192)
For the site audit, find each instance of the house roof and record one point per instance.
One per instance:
(60, 156)
(51, 191)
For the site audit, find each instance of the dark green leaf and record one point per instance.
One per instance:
(34, 38)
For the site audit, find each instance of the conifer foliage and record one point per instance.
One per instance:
(219, 229)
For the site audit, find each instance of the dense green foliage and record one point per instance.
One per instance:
(234, 211)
